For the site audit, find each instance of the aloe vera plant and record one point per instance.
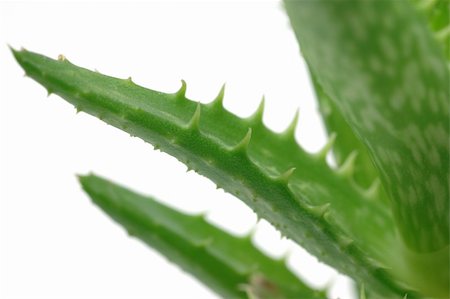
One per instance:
(381, 216)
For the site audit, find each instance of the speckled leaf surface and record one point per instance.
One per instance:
(346, 144)
(437, 15)
(381, 66)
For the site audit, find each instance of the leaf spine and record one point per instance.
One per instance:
(362, 292)
(376, 264)
(195, 120)
(319, 210)
(373, 191)
(344, 241)
(181, 93)
(201, 216)
(426, 5)
(284, 259)
(286, 176)
(257, 116)
(348, 167)
(322, 154)
(242, 146)
(442, 34)
(61, 57)
(327, 217)
(290, 130)
(258, 218)
(204, 243)
(249, 236)
(218, 100)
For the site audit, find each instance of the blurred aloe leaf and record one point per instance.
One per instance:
(382, 68)
(378, 63)
(229, 265)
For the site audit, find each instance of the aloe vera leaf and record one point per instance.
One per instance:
(437, 14)
(346, 142)
(229, 265)
(384, 72)
(315, 206)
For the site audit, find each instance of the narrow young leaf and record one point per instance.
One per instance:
(229, 265)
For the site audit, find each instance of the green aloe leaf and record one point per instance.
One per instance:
(380, 65)
(318, 207)
(437, 14)
(229, 265)
(346, 143)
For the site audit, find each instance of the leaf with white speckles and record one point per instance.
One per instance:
(383, 69)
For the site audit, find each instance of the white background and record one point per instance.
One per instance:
(54, 242)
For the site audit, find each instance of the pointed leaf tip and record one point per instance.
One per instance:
(82, 177)
(13, 51)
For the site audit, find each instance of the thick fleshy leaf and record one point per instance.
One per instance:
(437, 15)
(316, 206)
(346, 143)
(381, 67)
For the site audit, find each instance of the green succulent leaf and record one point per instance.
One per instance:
(229, 265)
(437, 15)
(380, 65)
(346, 143)
(320, 208)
